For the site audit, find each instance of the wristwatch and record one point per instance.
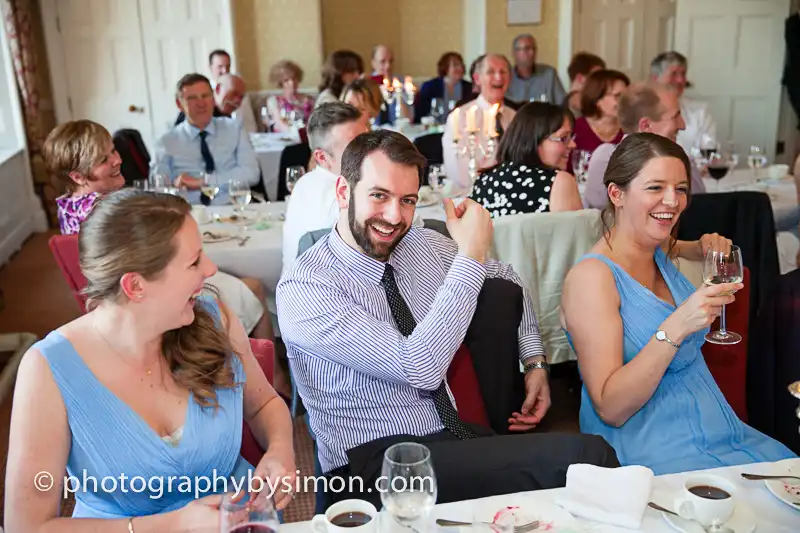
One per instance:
(536, 364)
(661, 335)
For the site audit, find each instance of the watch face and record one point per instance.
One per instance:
(660, 335)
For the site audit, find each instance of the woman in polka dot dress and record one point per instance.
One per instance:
(530, 175)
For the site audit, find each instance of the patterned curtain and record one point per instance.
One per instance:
(25, 34)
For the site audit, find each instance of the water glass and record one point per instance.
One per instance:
(293, 174)
(435, 175)
(142, 185)
(720, 267)
(757, 159)
(239, 191)
(580, 164)
(408, 483)
(437, 109)
(248, 514)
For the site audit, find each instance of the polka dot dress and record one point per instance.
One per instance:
(512, 189)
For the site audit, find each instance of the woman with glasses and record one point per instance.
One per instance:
(530, 176)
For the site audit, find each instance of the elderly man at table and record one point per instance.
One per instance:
(670, 68)
(205, 143)
(231, 100)
(372, 316)
(495, 73)
(531, 80)
(643, 107)
(313, 205)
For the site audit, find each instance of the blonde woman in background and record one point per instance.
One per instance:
(365, 95)
(287, 75)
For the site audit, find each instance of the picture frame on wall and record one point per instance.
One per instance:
(523, 12)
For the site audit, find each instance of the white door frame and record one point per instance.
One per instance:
(56, 62)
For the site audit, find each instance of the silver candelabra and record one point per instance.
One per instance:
(472, 149)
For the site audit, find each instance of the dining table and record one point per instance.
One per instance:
(755, 505)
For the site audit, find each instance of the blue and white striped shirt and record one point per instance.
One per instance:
(359, 378)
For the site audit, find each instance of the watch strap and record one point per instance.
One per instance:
(536, 365)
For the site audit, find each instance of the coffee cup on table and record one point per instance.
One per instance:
(707, 499)
(347, 516)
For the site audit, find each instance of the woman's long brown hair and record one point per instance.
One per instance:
(134, 231)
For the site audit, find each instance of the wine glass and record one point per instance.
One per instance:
(437, 110)
(210, 185)
(265, 118)
(718, 166)
(239, 191)
(720, 267)
(757, 159)
(408, 483)
(580, 164)
(248, 514)
(435, 175)
(708, 145)
(293, 174)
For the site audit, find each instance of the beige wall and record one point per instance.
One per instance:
(419, 31)
(499, 35)
(269, 30)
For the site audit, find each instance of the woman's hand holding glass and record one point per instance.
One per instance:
(279, 473)
(699, 310)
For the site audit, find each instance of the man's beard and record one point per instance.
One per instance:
(379, 251)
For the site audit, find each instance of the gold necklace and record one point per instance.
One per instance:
(147, 371)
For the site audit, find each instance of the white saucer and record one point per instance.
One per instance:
(785, 490)
(742, 521)
(525, 509)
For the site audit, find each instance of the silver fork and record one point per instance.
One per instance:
(522, 528)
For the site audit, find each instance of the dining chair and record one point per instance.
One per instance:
(264, 352)
(66, 253)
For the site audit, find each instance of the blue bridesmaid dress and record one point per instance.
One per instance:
(687, 424)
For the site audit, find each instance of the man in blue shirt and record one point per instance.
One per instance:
(372, 316)
(205, 144)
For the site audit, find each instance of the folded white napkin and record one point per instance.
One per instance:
(616, 496)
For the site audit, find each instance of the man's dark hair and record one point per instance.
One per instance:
(584, 63)
(394, 145)
(218, 52)
(190, 79)
(325, 117)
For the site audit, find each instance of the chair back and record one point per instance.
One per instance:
(293, 155)
(67, 255)
(264, 351)
(134, 155)
(542, 247)
(430, 146)
(728, 363)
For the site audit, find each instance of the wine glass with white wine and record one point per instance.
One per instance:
(239, 191)
(757, 159)
(720, 267)
(210, 185)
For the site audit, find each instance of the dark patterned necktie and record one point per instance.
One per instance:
(500, 129)
(406, 324)
(206, 153)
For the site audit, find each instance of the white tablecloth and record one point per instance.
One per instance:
(783, 196)
(268, 148)
(773, 516)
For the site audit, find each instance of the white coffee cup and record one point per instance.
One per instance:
(327, 523)
(707, 499)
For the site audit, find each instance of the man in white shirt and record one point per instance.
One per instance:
(494, 75)
(219, 63)
(230, 96)
(313, 205)
(670, 68)
(219, 66)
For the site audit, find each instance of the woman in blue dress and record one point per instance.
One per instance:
(637, 326)
(142, 397)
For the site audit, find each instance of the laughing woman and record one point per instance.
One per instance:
(637, 325)
(153, 381)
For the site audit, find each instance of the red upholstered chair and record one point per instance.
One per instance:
(728, 363)
(466, 390)
(264, 351)
(65, 251)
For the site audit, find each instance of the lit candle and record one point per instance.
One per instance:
(471, 119)
(491, 130)
(396, 84)
(409, 85)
